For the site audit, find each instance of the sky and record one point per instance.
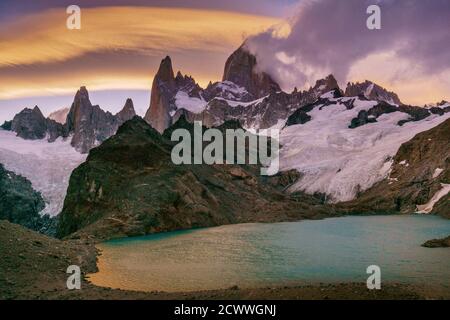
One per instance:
(121, 43)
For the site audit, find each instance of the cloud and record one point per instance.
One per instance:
(329, 36)
(117, 47)
(43, 37)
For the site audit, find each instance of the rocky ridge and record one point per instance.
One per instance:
(129, 186)
(87, 125)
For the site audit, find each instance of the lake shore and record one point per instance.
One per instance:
(33, 266)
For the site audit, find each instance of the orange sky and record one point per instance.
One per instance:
(120, 48)
(117, 48)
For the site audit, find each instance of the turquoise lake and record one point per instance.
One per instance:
(260, 255)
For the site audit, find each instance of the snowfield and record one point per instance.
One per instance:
(194, 105)
(338, 161)
(47, 165)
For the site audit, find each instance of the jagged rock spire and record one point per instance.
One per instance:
(127, 111)
(163, 88)
(240, 69)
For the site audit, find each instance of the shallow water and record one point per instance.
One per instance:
(255, 255)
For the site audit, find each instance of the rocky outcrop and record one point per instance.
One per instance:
(267, 112)
(6, 125)
(371, 115)
(21, 204)
(437, 243)
(162, 95)
(90, 125)
(87, 124)
(241, 69)
(419, 170)
(126, 113)
(327, 84)
(31, 124)
(164, 92)
(371, 91)
(130, 186)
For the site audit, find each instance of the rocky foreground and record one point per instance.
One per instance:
(33, 266)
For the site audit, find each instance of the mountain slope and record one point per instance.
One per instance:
(19, 203)
(340, 159)
(129, 186)
(420, 169)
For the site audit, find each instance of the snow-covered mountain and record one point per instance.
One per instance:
(47, 165)
(46, 152)
(372, 91)
(86, 124)
(341, 142)
(340, 161)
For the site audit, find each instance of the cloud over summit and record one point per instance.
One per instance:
(329, 36)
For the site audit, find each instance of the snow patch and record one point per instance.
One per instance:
(235, 104)
(328, 95)
(404, 163)
(192, 104)
(428, 207)
(437, 172)
(228, 86)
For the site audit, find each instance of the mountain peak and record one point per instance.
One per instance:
(82, 93)
(127, 111)
(165, 71)
(371, 91)
(240, 68)
(326, 84)
(164, 87)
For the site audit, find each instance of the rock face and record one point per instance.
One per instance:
(130, 186)
(163, 92)
(89, 125)
(371, 91)
(20, 204)
(420, 169)
(6, 125)
(31, 124)
(267, 112)
(371, 115)
(241, 69)
(127, 112)
(60, 115)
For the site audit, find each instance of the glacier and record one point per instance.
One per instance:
(48, 166)
(340, 162)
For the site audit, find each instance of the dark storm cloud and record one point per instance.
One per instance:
(332, 35)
